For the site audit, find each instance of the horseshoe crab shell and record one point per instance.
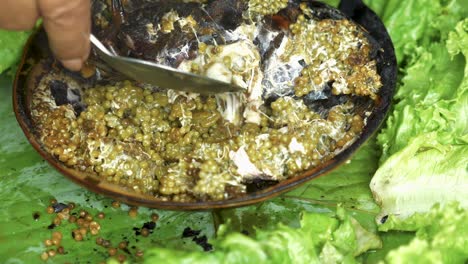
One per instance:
(176, 34)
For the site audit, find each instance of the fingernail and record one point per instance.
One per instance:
(73, 64)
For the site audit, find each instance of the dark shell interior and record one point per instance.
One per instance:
(128, 37)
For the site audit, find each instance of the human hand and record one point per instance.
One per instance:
(67, 23)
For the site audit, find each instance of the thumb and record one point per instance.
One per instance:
(68, 26)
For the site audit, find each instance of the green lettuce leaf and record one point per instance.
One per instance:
(320, 239)
(10, 47)
(417, 23)
(425, 143)
(432, 97)
(423, 173)
(441, 236)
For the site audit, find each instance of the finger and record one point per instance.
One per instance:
(68, 25)
(18, 14)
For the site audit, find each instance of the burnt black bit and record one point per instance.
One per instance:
(51, 226)
(319, 95)
(268, 49)
(150, 226)
(259, 184)
(323, 11)
(384, 219)
(59, 90)
(58, 207)
(303, 63)
(188, 232)
(322, 101)
(359, 45)
(126, 251)
(228, 13)
(214, 38)
(36, 216)
(202, 241)
(78, 108)
(137, 231)
(63, 95)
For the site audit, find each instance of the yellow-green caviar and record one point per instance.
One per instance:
(184, 150)
(336, 52)
(267, 7)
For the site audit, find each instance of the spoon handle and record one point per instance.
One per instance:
(161, 75)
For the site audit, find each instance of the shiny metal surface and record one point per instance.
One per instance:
(160, 75)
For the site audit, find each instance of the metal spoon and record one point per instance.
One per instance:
(161, 75)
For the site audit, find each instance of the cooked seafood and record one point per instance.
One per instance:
(310, 79)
